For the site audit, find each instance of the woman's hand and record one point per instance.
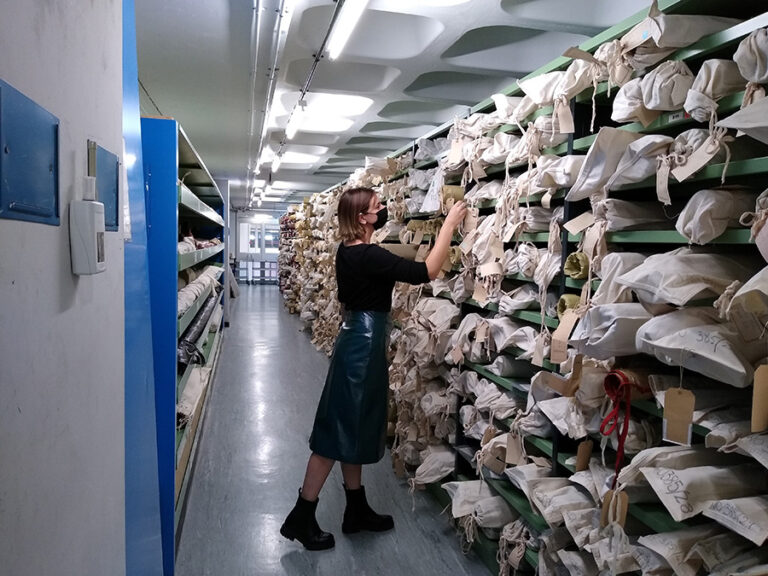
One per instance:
(456, 215)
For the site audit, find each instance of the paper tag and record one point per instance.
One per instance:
(494, 463)
(593, 238)
(496, 247)
(662, 184)
(490, 434)
(760, 400)
(559, 384)
(762, 242)
(413, 433)
(678, 416)
(422, 253)
(580, 223)
(560, 337)
(696, 161)
(511, 232)
(564, 118)
(635, 37)
(457, 356)
(583, 454)
(477, 170)
(471, 219)
(456, 153)
(538, 352)
(515, 453)
(546, 200)
(480, 294)
(418, 237)
(620, 511)
(490, 269)
(579, 54)
(746, 323)
(646, 117)
(481, 334)
(468, 242)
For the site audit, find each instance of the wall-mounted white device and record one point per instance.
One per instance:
(86, 225)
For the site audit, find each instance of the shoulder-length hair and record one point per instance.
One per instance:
(352, 203)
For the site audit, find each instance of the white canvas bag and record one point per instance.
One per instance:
(566, 415)
(609, 330)
(674, 546)
(510, 367)
(688, 492)
(751, 120)
(640, 160)
(715, 80)
(542, 89)
(694, 339)
(756, 445)
(718, 549)
(665, 87)
(746, 516)
(611, 266)
(464, 496)
(683, 275)
(506, 406)
(561, 172)
(710, 212)
(525, 108)
(554, 496)
(502, 144)
(627, 215)
(601, 161)
(490, 190)
(751, 298)
(428, 149)
(522, 298)
(521, 475)
(752, 59)
(439, 463)
(505, 106)
(628, 104)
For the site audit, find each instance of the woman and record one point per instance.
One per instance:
(351, 420)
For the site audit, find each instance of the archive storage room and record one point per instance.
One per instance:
(383, 287)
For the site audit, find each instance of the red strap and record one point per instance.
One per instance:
(618, 387)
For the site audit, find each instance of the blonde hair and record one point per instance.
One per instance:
(352, 203)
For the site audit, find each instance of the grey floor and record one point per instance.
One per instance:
(250, 463)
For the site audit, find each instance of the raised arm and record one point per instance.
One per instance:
(439, 252)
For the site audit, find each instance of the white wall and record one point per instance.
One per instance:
(61, 336)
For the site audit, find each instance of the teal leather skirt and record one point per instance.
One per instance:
(351, 420)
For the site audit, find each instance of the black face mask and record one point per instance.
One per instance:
(381, 218)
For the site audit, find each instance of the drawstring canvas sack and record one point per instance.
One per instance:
(715, 80)
(709, 213)
(612, 266)
(464, 496)
(752, 59)
(627, 215)
(674, 546)
(665, 87)
(609, 330)
(745, 516)
(639, 162)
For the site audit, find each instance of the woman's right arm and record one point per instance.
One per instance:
(439, 253)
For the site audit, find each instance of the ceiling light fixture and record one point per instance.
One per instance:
(297, 116)
(351, 12)
(276, 162)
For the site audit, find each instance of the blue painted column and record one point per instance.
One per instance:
(143, 543)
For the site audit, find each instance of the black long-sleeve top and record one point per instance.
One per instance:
(366, 275)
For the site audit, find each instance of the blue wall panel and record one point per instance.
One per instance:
(143, 542)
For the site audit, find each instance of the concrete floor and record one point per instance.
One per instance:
(251, 458)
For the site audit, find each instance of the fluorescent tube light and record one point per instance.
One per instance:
(276, 163)
(350, 14)
(294, 122)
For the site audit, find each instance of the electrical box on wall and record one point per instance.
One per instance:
(29, 159)
(86, 235)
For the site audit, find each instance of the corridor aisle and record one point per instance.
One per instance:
(252, 453)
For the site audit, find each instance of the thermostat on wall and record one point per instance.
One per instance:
(86, 237)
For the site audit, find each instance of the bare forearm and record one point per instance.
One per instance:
(439, 252)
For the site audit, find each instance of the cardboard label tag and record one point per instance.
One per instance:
(480, 294)
(546, 200)
(494, 463)
(760, 400)
(560, 337)
(635, 37)
(696, 161)
(496, 248)
(418, 236)
(471, 219)
(562, 386)
(678, 416)
(619, 501)
(511, 231)
(564, 117)
(515, 453)
(456, 153)
(662, 183)
(583, 454)
(457, 356)
(579, 54)
(538, 352)
(490, 269)
(468, 242)
(413, 433)
(646, 117)
(747, 324)
(481, 334)
(477, 171)
(580, 223)
(422, 253)
(762, 242)
(490, 434)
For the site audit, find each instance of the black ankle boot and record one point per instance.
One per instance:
(359, 516)
(301, 525)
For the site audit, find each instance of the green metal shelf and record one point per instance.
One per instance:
(517, 386)
(520, 278)
(730, 236)
(211, 345)
(398, 175)
(535, 318)
(193, 204)
(655, 517)
(723, 39)
(426, 164)
(181, 380)
(192, 258)
(574, 283)
(189, 315)
(519, 502)
(534, 237)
